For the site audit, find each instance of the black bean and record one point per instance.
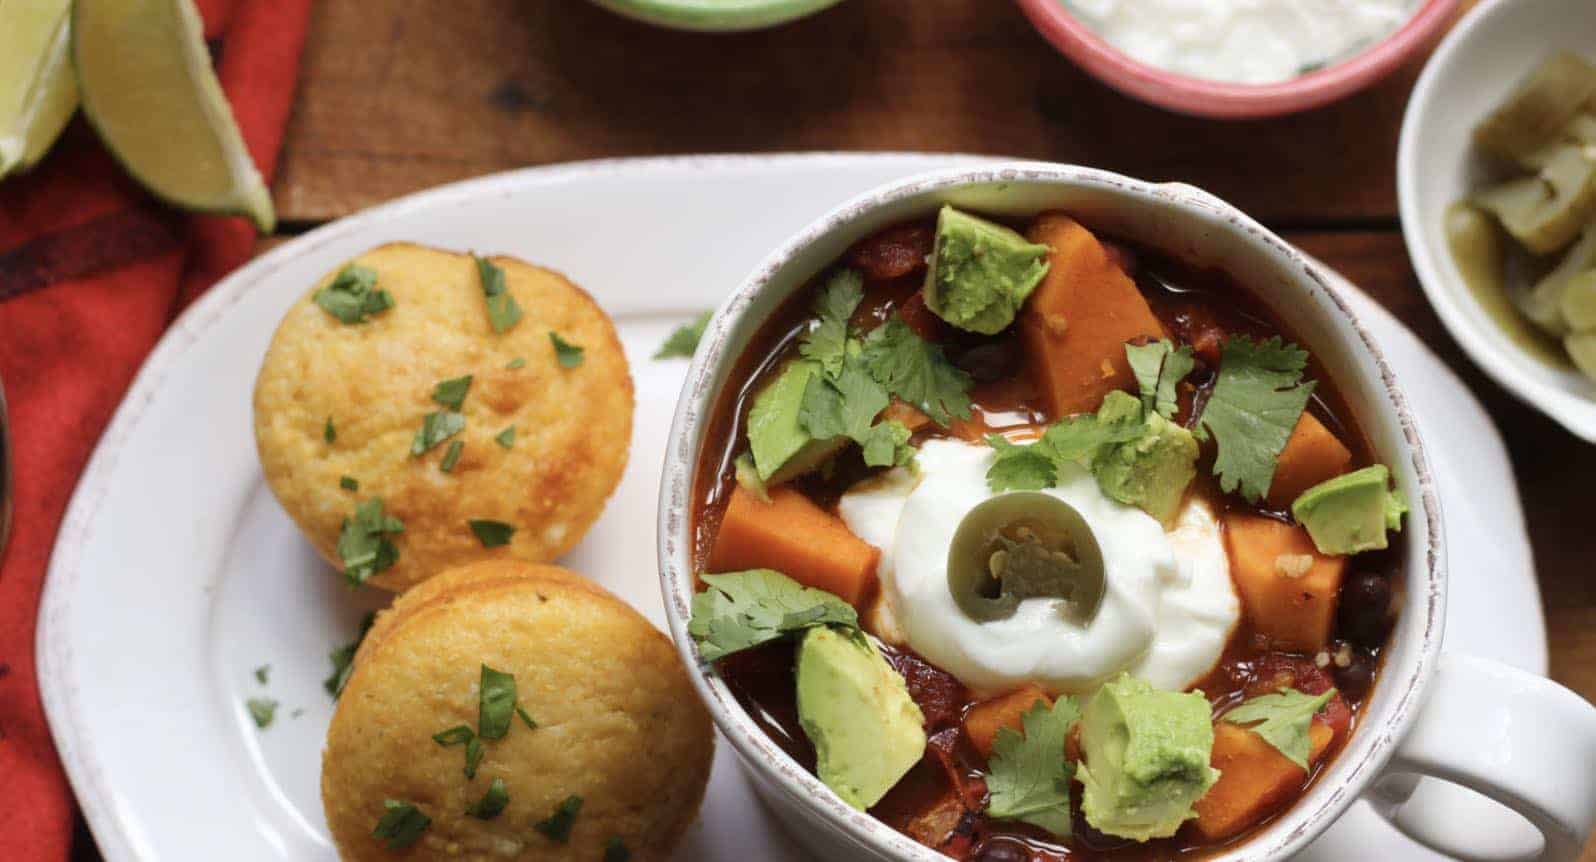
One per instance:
(991, 361)
(1354, 680)
(1365, 608)
(1002, 850)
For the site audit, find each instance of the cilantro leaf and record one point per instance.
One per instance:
(495, 703)
(1257, 400)
(262, 710)
(558, 826)
(343, 658)
(473, 756)
(739, 610)
(841, 407)
(503, 311)
(916, 371)
(567, 354)
(1282, 719)
(683, 341)
(263, 673)
(352, 295)
(451, 456)
(1159, 366)
(492, 803)
(886, 444)
(436, 428)
(491, 534)
(1020, 468)
(1029, 777)
(460, 734)
(363, 543)
(505, 438)
(1077, 439)
(451, 393)
(827, 343)
(401, 824)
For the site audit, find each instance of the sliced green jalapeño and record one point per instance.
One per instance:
(1025, 545)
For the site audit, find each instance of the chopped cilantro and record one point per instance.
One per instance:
(262, 709)
(503, 311)
(363, 542)
(739, 610)
(1159, 366)
(1020, 468)
(1077, 439)
(505, 438)
(352, 296)
(526, 717)
(491, 534)
(436, 428)
(684, 339)
(1029, 778)
(567, 354)
(451, 393)
(262, 672)
(401, 824)
(473, 757)
(1256, 402)
(827, 342)
(491, 803)
(615, 850)
(846, 406)
(328, 432)
(496, 703)
(1282, 719)
(558, 826)
(460, 734)
(343, 658)
(348, 483)
(518, 362)
(916, 371)
(451, 456)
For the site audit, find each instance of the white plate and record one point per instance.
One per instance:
(176, 574)
(1475, 68)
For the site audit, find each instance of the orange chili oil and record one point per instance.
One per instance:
(940, 801)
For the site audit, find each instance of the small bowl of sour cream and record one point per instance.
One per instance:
(1239, 58)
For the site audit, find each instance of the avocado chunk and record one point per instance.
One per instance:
(1145, 758)
(981, 272)
(868, 733)
(782, 449)
(1352, 512)
(1152, 471)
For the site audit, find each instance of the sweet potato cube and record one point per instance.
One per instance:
(1287, 587)
(1254, 780)
(1075, 324)
(797, 538)
(1312, 455)
(982, 721)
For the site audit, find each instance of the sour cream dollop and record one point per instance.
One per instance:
(1242, 41)
(1168, 606)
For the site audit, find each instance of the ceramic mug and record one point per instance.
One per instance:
(1515, 737)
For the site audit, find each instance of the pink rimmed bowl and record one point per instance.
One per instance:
(1208, 98)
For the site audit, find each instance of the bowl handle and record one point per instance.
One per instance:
(1519, 739)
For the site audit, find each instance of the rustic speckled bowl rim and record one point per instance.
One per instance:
(719, 16)
(1372, 747)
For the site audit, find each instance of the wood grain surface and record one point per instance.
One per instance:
(399, 95)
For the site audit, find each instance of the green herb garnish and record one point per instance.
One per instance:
(451, 456)
(847, 406)
(348, 483)
(916, 371)
(558, 826)
(1029, 778)
(827, 342)
(401, 824)
(451, 393)
(496, 703)
(352, 296)
(1282, 719)
(460, 734)
(262, 709)
(739, 610)
(1078, 439)
(262, 672)
(363, 542)
(436, 428)
(473, 757)
(343, 658)
(683, 341)
(505, 438)
(503, 311)
(518, 362)
(526, 717)
(1257, 400)
(615, 850)
(491, 803)
(567, 354)
(491, 534)
(1159, 366)
(328, 432)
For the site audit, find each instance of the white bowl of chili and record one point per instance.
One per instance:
(1423, 714)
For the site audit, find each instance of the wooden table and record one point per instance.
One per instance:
(399, 95)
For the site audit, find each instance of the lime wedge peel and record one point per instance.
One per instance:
(148, 88)
(38, 90)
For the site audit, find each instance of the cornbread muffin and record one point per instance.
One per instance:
(350, 384)
(618, 726)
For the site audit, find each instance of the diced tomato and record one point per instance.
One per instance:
(923, 320)
(893, 252)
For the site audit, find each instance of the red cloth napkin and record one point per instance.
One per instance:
(92, 269)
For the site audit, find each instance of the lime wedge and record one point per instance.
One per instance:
(38, 91)
(149, 90)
